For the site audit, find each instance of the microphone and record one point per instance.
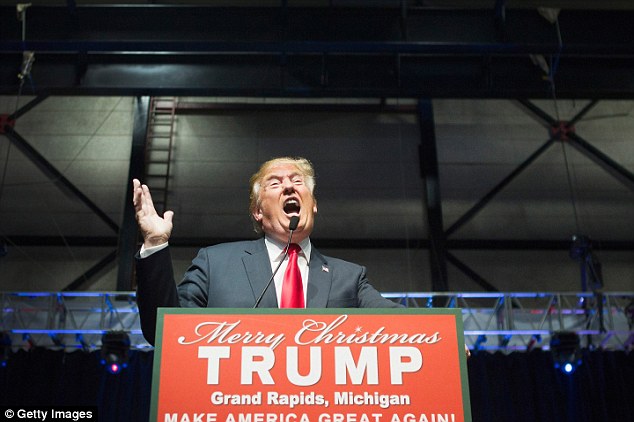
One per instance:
(292, 226)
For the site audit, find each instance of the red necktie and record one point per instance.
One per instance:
(292, 288)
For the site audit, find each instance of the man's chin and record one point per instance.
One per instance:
(290, 216)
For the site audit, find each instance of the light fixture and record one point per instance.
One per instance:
(5, 348)
(581, 251)
(566, 350)
(114, 351)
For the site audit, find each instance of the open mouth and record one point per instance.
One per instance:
(291, 207)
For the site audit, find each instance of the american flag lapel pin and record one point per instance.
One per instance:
(325, 269)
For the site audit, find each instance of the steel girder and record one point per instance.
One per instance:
(616, 170)
(128, 235)
(316, 51)
(63, 183)
(428, 157)
(329, 243)
(56, 176)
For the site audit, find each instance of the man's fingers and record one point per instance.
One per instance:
(142, 199)
(146, 197)
(168, 216)
(136, 192)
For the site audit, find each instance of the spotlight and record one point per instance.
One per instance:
(114, 351)
(568, 368)
(5, 348)
(566, 351)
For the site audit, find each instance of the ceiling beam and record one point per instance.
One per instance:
(330, 243)
(315, 52)
(569, 136)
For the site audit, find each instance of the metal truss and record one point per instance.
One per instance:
(522, 321)
(504, 322)
(69, 320)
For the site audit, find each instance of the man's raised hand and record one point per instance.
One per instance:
(155, 229)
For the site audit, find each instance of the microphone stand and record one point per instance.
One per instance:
(291, 227)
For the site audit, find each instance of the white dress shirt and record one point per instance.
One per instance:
(276, 253)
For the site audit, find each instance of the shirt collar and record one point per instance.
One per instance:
(276, 248)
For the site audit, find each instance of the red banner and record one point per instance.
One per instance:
(307, 366)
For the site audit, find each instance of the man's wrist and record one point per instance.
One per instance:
(145, 252)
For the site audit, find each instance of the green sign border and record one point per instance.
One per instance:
(456, 312)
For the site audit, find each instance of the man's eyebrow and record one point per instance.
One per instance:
(281, 176)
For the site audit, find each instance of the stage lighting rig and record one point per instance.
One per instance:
(5, 348)
(581, 251)
(565, 347)
(115, 346)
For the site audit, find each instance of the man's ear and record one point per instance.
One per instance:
(257, 215)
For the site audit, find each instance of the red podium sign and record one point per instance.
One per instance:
(325, 365)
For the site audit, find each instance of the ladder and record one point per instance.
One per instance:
(158, 148)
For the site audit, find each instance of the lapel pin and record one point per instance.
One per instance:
(325, 269)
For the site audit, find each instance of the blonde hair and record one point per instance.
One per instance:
(305, 168)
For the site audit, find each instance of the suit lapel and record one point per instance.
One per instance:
(258, 269)
(319, 281)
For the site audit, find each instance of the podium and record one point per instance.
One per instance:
(310, 365)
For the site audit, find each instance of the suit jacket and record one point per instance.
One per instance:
(233, 275)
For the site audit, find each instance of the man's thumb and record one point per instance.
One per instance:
(168, 216)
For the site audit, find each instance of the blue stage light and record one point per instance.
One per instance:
(566, 351)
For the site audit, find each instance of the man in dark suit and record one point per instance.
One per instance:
(233, 275)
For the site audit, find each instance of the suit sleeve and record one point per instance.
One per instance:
(369, 297)
(155, 288)
(193, 290)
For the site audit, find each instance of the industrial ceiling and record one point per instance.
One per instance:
(460, 104)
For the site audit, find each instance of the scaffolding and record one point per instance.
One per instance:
(507, 322)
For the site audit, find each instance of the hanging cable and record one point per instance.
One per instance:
(554, 68)
(552, 15)
(573, 197)
(4, 171)
(54, 222)
(28, 57)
